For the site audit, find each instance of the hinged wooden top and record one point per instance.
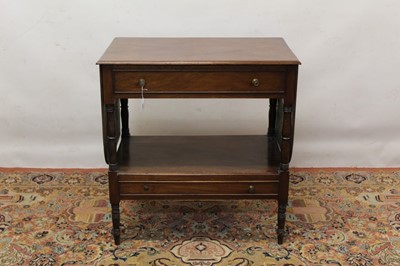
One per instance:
(198, 51)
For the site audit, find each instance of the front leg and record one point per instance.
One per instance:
(114, 200)
(284, 171)
(125, 118)
(116, 231)
(281, 221)
(272, 117)
(287, 134)
(112, 136)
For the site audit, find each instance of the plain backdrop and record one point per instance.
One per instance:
(348, 111)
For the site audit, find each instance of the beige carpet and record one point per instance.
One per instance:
(335, 217)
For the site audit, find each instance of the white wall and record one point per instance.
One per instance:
(349, 86)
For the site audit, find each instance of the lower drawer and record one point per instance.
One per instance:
(200, 188)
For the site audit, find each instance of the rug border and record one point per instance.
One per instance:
(66, 170)
(294, 169)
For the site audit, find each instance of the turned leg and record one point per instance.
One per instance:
(287, 134)
(114, 200)
(116, 231)
(286, 147)
(111, 140)
(282, 203)
(125, 118)
(272, 117)
(111, 134)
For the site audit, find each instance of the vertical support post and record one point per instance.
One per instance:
(115, 212)
(284, 171)
(272, 117)
(111, 133)
(112, 140)
(112, 136)
(289, 106)
(125, 118)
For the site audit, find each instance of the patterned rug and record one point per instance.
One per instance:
(335, 217)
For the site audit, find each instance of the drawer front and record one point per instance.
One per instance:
(201, 188)
(206, 81)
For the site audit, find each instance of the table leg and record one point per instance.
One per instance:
(282, 203)
(116, 232)
(111, 133)
(287, 129)
(114, 200)
(272, 117)
(288, 111)
(111, 140)
(125, 118)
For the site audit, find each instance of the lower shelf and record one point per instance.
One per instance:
(162, 157)
(198, 167)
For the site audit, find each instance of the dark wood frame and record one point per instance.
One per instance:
(263, 176)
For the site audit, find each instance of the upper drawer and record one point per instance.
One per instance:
(200, 81)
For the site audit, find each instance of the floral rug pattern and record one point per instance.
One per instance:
(334, 217)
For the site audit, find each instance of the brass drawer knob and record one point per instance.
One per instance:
(146, 188)
(255, 82)
(142, 83)
(252, 189)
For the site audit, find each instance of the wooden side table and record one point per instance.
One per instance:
(198, 167)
